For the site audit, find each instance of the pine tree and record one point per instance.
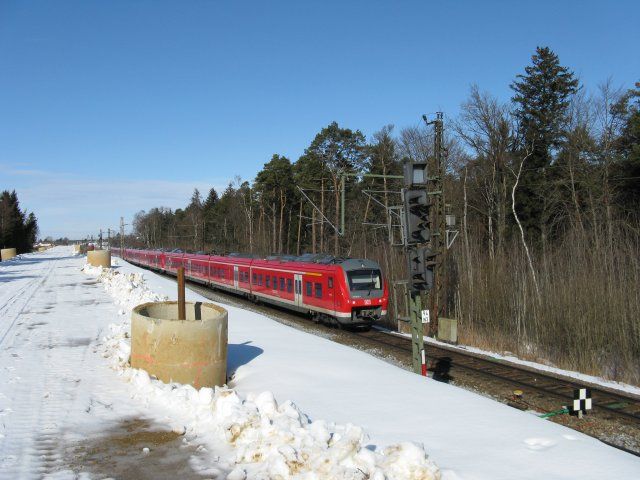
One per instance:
(16, 229)
(542, 97)
(196, 200)
(339, 150)
(275, 186)
(211, 200)
(626, 173)
(31, 230)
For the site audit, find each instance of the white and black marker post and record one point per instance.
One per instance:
(579, 407)
(581, 402)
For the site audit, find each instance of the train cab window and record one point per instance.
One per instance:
(268, 282)
(330, 282)
(309, 289)
(289, 285)
(364, 279)
(318, 290)
(255, 279)
(282, 283)
(275, 282)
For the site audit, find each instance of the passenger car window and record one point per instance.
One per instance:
(268, 282)
(318, 290)
(282, 283)
(309, 289)
(260, 279)
(289, 285)
(255, 279)
(275, 282)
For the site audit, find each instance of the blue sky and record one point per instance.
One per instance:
(107, 108)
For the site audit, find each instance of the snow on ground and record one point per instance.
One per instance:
(64, 381)
(268, 439)
(624, 387)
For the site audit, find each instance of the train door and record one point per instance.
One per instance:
(331, 293)
(235, 276)
(297, 288)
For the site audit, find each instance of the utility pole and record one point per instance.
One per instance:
(100, 239)
(438, 241)
(121, 237)
(204, 231)
(109, 238)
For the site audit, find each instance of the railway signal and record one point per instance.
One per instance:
(417, 233)
(417, 213)
(417, 227)
(421, 265)
(415, 174)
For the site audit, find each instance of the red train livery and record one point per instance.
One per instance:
(345, 291)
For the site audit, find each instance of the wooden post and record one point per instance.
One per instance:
(182, 312)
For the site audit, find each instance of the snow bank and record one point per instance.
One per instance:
(263, 438)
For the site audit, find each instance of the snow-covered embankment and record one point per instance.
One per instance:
(256, 435)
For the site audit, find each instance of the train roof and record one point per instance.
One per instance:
(316, 259)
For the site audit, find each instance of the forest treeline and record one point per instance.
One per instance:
(546, 192)
(18, 229)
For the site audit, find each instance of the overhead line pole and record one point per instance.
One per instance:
(121, 237)
(343, 177)
(436, 190)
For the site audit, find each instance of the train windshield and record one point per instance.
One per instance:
(365, 279)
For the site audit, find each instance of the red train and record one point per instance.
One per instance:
(344, 291)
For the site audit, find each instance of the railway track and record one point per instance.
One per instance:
(542, 391)
(443, 361)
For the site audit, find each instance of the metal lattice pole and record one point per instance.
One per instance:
(436, 192)
(417, 338)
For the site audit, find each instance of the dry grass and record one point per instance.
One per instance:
(586, 318)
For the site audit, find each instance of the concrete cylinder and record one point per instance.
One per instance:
(7, 253)
(99, 258)
(191, 351)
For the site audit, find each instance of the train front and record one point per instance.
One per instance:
(368, 292)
